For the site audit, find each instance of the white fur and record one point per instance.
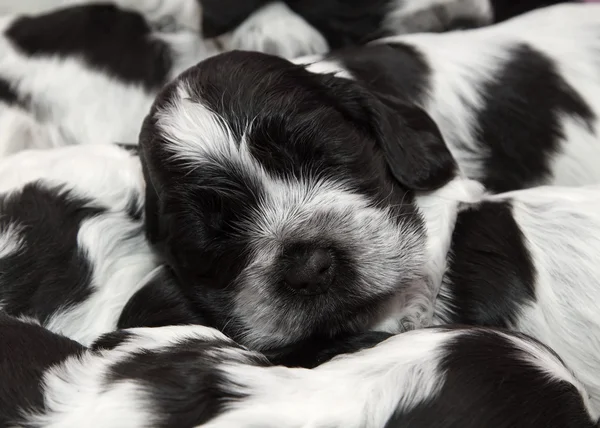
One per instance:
(75, 396)
(71, 103)
(121, 258)
(59, 87)
(412, 16)
(315, 64)
(104, 173)
(463, 61)
(19, 130)
(167, 14)
(10, 241)
(561, 227)
(114, 244)
(413, 307)
(277, 30)
(360, 390)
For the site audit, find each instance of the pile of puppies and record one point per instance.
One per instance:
(415, 219)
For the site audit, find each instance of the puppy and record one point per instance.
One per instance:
(269, 26)
(64, 80)
(292, 202)
(194, 376)
(72, 245)
(293, 28)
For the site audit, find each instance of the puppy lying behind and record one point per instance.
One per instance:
(195, 376)
(72, 247)
(294, 28)
(294, 204)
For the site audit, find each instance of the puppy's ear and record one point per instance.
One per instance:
(410, 140)
(412, 143)
(149, 148)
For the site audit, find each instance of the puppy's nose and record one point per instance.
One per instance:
(310, 271)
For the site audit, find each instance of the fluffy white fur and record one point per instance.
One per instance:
(113, 242)
(413, 307)
(562, 229)
(364, 389)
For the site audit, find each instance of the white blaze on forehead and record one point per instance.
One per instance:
(10, 241)
(320, 65)
(193, 131)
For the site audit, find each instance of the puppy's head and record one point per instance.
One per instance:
(283, 199)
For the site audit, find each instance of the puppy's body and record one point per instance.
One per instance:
(527, 261)
(72, 247)
(517, 102)
(194, 376)
(65, 80)
(289, 192)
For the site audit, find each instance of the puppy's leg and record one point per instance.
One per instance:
(158, 303)
(414, 16)
(277, 30)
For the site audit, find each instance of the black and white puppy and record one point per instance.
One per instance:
(334, 24)
(187, 377)
(292, 203)
(292, 28)
(73, 255)
(65, 79)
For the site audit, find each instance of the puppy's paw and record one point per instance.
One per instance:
(275, 29)
(167, 15)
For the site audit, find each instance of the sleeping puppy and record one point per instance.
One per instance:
(194, 376)
(65, 80)
(294, 204)
(291, 201)
(73, 255)
(293, 28)
(269, 26)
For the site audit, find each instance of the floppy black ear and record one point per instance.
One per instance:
(410, 140)
(149, 147)
(412, 143)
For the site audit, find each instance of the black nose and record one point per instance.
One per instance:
(309, 271)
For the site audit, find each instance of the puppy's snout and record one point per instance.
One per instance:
(309, 270)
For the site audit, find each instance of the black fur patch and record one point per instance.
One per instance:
(506, 9)
(392, 69)
(316, 351)
(159, 303)
(7, 94)
(222, 16)
(132, 148)
(106, 37)
(111, 340)
(49, 271)
(26, 352)
(490, 274)
(184, 381)
(520, 126)
(344, 22)
(489, 382)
